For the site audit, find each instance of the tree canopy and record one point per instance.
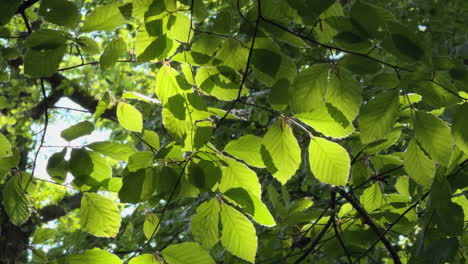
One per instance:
(241, 131)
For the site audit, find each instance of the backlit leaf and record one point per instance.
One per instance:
(329, 162)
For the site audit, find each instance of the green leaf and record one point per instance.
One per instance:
(372, 198)
(326, 120)
(46, 39)
(106, 17)
(233, 54)
(449, 219)
(59, 12)
(88, 45)
(43, 63)
(251, 205)
(14, 198)
(247, 148)
(113, 150)
(407, 46)
(460, 128)
(92, 256)
(266, 61)
(343, 91)
(220, 82)
(103, 104)
(145, 259)
(279, 95)
(140, 160)
(369, 18)
(111, 184)
(112, 53)
(378, 117)
(138, 186)
(282, 154)
(5, 147)
(8, 10)
(238, 234)
(205, 223)
(99, 215)
(89, 169)
(140, 97)
(360, 65)
(41, 235)
(151, 226)
(57, 166)
(329, 162)
(129, 117)
(149, 47)
(419, 167)
(203, 174)
(10, 162)
(187, 252)
(403, 43)
(434, 136)
(236, 175)
(178, 27)
(438, 251)
(140, 7)
(151, 139)
(80, 163)
(436, 95)
(81, 129)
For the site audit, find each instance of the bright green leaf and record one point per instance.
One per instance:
(252, 205)
(322, 119)
(205, 223)
(106, 17)
(113, 150)
(14, 198)
(419, 167)
(145, 259)
(41, 235)
(329, 162)
(460, 128)
(129, 117)
(238, 234)
(92, 256)
(99, 215)
(434, 136)
(246, 148)
(112, 53)
(236, 175)
(151, 226)
(187, 252)
(5, 147)
(282, 154)
(378, 117)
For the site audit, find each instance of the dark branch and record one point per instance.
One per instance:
(64, 206)
(321, 234)
(368, 220)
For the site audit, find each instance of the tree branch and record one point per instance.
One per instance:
(321, 234)
(368, 220)
(64, 206)
(85, 100)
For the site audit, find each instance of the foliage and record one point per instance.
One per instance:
(243, 131)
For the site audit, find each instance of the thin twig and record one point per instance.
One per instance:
(321, 234)
(247, 66)
(163, 212)
(337, 233)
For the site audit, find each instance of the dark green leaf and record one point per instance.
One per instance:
(81, 129)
